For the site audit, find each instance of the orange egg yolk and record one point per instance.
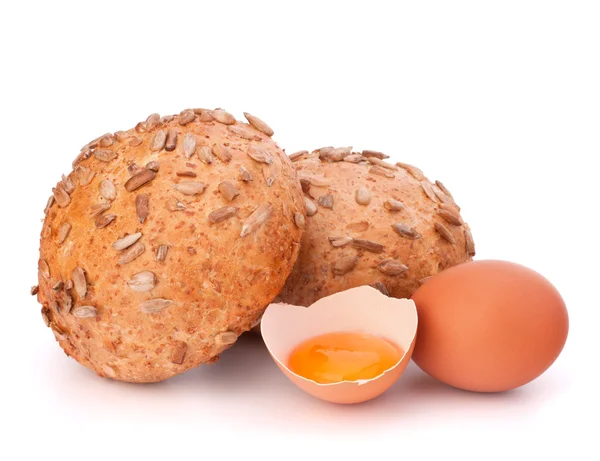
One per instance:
(343, 356)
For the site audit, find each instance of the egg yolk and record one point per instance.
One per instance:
(343, 356)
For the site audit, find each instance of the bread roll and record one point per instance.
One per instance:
(370, 222)
(167, 242)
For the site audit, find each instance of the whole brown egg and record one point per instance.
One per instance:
(488, 326)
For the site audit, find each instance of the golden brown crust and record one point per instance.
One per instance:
(376, 224)
(143, 308)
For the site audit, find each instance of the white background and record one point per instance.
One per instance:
(499, 100)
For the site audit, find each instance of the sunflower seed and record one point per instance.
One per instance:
(440, 194)
(152, 121)
(154, 306)
(205, 116)
(199, 110)
(121, 135)
(359, 226)
(190, 187)
(426, 185)
(134, 168)
(243, 132)
(58, 333)
(256, 219)
(222, 116)
(140, 127)
(259, 154)
(222, 214)
(34, 290)
(470, 244)
(167, 118)
(49, 204)
(58, 285)
(104, 220)
(127, 241)
(179, 351)
(153, 165)
(135, 141)
(226, 338)
(83, 155)
(344, 265)
(362, 196)
(374, 154)
(171, 142)
(142, 281)
(393, 205)
(98, 208)
(105, 155)
(138, 180)
(404, 230)
(297, 155)
(79, 282)
(449, 217)
(306, 187)
(245, 175)
(62, 198)
(377, 170)
(186, 116)
(381, 163)
(228, 190)
(412, 170)
(381, 287)
(205, 154)
(106, 141)
(63, 232)
(186, 174)
(158, 141)
(338, 242)
(189, 145)
(311, 208)
(334, 155)
(368, 245)
(223, 153)
(259, 124)
(444, 232)
(443, 188)
(326, 201)
(269, 173)
(45, 318)
(317, 181)
(84, 312)
(67, 184)
(161, 253)
(175, 205)
(84, 175)
(108, 190)
(299, 220)
(354, 158)
(132, 253)
(391, 267)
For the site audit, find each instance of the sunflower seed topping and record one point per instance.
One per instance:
(243, 132)
(205, 116)
(334, 155)
(311, 208)
(190, 187)
(98, 208)
(297, 155)
(338, 242)
(189, 145)
(363, 196)
(222, 116)
(374, 154)
(67, 184)
(440, 194)
(449, 217)
(121, 135)
(379, 171)
(158, 141)
(140, 127)
(161, 253)
(34, 290)
(259, 154)
(222, 214)
(326, 201)
(153, 165)
(142, 281)
(138, 180)
(154, 306)
(132, 253)
(470, 244)
(269, 173)
(317, 181)
(205, 154)
(134, 168)
(84, 312)
(186, 174)
(412, 170)
(443, 188)
(62, 198)
(79, 282)
(127, 241)
(58, 285)
(344, 265)
(426, 185)
(223, 153)
(171, 141)
(106, 141)
(393, 205)
(299, 220)
(260, 215)
(45, 317)
(186, 116)
(226, 338)
(228, 190)
(179, 351)
(391, 267)
(381, 287)
(245, 175)
(367, 245)
(104, 220)
(108, 190)
(354, 158)
(259, 124)
(152, 121)
(404, 230)
(105, 155)
(63, 232)
(381, 163)
(49, 204)
(69, 285)
(444, 232)
(135, 141)
(84, 175)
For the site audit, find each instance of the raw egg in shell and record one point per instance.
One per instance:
(348, 347)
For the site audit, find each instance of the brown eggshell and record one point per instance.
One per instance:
(362, 309)
(489, 326)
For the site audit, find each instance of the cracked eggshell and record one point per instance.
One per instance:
(362, 309)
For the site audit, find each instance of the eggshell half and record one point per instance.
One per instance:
(362, 310)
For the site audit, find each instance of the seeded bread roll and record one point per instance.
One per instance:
(372, 223)
(167, 242)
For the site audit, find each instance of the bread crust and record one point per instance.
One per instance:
(209, 284)
(368, 250)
